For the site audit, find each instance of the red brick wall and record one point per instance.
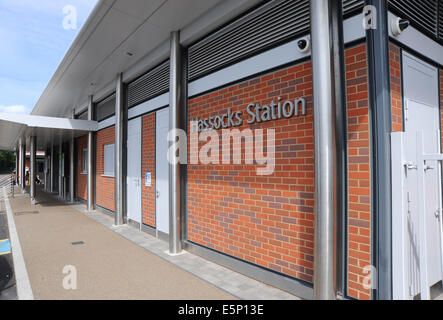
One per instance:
(148, 165)
(105, 186)
(266, 220)
(396, 94)
(359, 174)
(82, 179)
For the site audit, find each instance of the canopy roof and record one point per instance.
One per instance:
(119, 36)
(15, 127)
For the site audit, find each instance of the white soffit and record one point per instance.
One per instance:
(46, 129)
(99, 53)
(50, 122)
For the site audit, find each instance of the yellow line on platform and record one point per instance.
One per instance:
(6, 252)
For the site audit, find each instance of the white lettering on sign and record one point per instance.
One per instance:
(256, 112)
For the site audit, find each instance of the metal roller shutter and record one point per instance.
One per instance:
(150, 85)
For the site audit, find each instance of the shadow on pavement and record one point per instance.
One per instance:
(7, 281)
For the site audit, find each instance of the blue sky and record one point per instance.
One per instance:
(33, 41)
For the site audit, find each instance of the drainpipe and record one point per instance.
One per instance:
(381, 127)
(176, 100)
(90, 184)
(32, 167)
(324, 135)
(120, 154)
(341, 141)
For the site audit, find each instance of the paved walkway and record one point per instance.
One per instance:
(108, 266)
(116, 262)
(7, 279)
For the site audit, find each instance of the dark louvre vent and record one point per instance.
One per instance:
(275, 22)
(425, 15)
(440, 20)
(352, 6)
(149, 85)
(271, 23)
(83, 115)
(105, 108)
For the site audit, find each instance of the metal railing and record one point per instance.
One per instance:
(7, 182)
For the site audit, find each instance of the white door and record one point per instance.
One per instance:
(421, 114)
(162, 171)
(134, 171)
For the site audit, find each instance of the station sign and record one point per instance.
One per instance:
(256, 113)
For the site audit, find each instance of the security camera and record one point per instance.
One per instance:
(304, 45)
(398, 25)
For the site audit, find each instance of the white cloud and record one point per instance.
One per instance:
(17, 109)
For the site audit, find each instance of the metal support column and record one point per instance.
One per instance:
(120, 154)
(22, 165)
(51, 169)
(47, 170)
(16, 165)
(72, 165)
(60, 164)
(175, 103)
(381, 127)
(90, 184)
(71, 171)
(32, 164)
(324, 135)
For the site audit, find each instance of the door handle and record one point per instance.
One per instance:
(428, 167)
(158, 194)
(410, 166)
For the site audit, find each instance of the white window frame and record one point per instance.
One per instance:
(109, 160)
